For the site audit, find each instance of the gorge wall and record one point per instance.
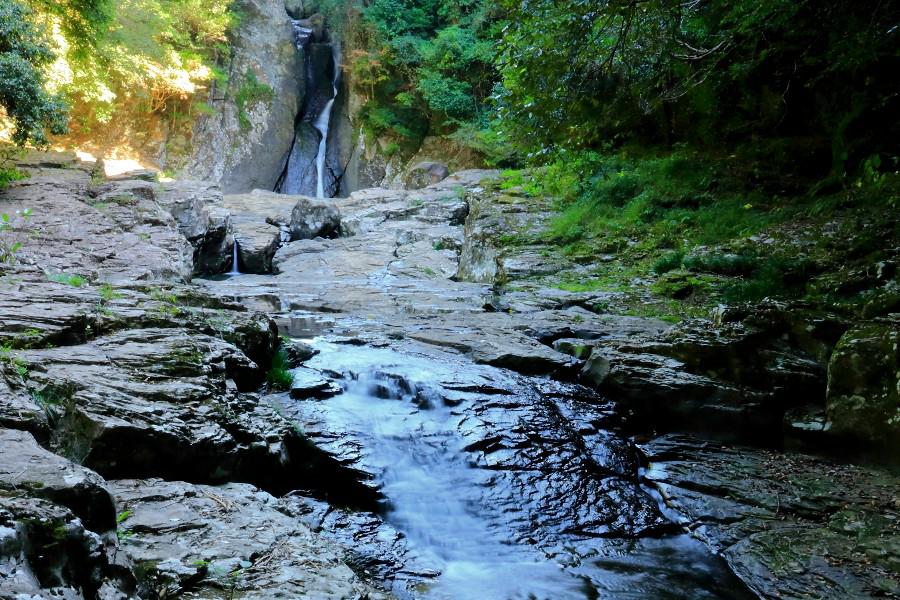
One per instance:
(245, 144)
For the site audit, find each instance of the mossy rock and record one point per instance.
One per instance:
(680, 285)
(863, 398)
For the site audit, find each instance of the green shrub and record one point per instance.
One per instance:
(9, 175)
(73, 280)
(722, 264)
(668, 262)
(773, 277)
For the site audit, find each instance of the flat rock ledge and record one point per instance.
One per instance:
(789, 525)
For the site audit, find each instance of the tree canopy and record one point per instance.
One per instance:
(24, 54)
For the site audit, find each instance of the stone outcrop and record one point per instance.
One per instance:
(738, 378)
(262, 221)
(863, 403)
(198, 209)
(57, 527)
(424, 174)
(109, 359)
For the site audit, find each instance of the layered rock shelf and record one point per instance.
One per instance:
(149, 448)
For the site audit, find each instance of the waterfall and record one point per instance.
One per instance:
(306, 170)
(322, 124)
(234, 260)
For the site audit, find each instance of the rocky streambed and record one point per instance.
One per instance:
(447, 435)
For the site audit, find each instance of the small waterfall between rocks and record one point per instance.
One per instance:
(235, 270)
(306, 171)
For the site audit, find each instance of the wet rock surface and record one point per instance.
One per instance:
(443, 441)
(789, 525)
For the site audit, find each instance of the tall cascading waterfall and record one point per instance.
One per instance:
(306, 171)
(323, 121)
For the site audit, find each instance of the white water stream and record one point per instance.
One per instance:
(234, 259)
(323, 122)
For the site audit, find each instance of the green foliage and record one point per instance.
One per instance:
(423, 65)
(15, 362)
(132, 58)
(123, 533)
(8, 248)
(24, 57)
(9, 175)
(671, 199)
(775, 276)
(279, 376)
(578, 74)
(72, 280)
(251, 92)
(108, 293)
(83, 22)
(668, 262)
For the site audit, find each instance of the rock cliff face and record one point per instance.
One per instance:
(246, 143)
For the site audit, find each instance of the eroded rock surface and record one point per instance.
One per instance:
(57, 527)
(229, 540)
(110, 359)
(790, 525)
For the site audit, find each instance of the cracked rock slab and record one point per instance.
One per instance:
(228, 539)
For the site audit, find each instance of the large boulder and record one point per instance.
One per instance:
(312, 218)
(863, 402)
(294, 8)
(424, 174)
(26, 466)
(732, 379)
(57, 527)
(257, 244)
(202, 219)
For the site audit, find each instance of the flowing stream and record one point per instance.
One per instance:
(485, 545)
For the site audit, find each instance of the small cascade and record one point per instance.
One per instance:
(234, 260)
(302, 34)
(323, 122)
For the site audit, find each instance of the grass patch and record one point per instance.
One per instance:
(68, 279)
(279, 376)
(773, 277)
(108, 293)
(665, 202)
